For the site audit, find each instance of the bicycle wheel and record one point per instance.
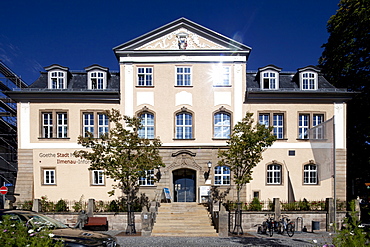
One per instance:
(270, 229)
(290, 230)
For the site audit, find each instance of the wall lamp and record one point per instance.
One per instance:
(206, 174)
(158, 175)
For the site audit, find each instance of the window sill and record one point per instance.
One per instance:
(302, 139)
(140, 86)
(282, 139)
(183, 85)
(220, 139)
(190, 139)
(54, 138)
(222, 86)
(49, 184)
(310, 184)
(274, 184)
(98, 185)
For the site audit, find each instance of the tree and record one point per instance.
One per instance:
(345, 62)
(245, 147)
(123, 156)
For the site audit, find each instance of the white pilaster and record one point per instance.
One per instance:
(129, 90)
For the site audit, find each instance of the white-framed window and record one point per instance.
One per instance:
(278, 123)
(147, 129)
(148, 179)
(222, 175)
(274, 174)
(310, 174)
(309, 81)
(269, 80)
(52, 128)
(221, 75)
(57, 80)
(184, 125)
(97, 177)
(145, 76)
(97, 80)
(96, 123)
(49, 176)
(221, 125)
(318, 132)
(183, 76)
(264, 119)
(303, 125)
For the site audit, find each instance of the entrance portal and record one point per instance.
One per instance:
(184, 185)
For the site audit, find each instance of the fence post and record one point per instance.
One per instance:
(277, 208)
(36, 205)
(223, 222)
(146, 226)
(330, 216)
(90, 207)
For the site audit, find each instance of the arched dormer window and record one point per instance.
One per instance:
(57, 76)
(269, 77)
(96, 77)
(308, 78)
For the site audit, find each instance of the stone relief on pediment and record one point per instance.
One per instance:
(173, 41)
(184, 161)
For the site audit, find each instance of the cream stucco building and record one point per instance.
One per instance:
(190, 85)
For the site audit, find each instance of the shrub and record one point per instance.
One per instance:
(15, 233)
(303, 205)
(27, 205)
(61, 206)
(255, 205)
(79, 205)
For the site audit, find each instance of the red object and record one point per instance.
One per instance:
(3, 190)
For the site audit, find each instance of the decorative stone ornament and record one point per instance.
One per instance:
(182, 40)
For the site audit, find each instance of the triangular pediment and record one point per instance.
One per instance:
(182, 35)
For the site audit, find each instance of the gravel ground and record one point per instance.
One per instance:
(300, 239)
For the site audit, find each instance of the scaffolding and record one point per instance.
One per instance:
(9, 81)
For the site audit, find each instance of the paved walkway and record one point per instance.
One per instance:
(300, 239)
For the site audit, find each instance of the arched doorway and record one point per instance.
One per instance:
(184, 185)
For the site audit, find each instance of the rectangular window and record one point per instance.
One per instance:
(145, 76)
(303, 125)
(221, 75)
(52, 128)
(147, 129)
(274, 174)
(49, 176)
(184, 126)
(269, 80)
(148, 180)
(308, 81)
(183, 76)
(97, 80)
(310, 174)
(98, 177)
(96, 123)
(278, 123)
(264, 119)
(57, 80)
(318, 132)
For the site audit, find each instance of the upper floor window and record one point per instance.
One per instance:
(221, 75)
(318, 132)
(145, 76)
(54, 124)
(222, 175)
(147, 128)
(97, 80)
(264, 119)
(274, 174)
(97, 177)
(278, 123)
(95, 123)
(308, 81)
(57, 80)
(310, 174)
(306, 121)
(184, 125)
(269, 80)
(148, 179)
(303, 125)
(183, 76)
(221, 125)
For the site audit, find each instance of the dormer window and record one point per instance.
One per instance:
(57, 76)
(308, 78)
(96, 77)
(269, 77)
(308, 81)
(57, 80)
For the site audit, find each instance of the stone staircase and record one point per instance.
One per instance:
(183, 219)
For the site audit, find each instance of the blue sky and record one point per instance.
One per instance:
(77, 33)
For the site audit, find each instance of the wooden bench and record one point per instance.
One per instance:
(96, 223)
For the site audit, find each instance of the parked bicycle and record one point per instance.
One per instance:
(268, 226)
(285, 225)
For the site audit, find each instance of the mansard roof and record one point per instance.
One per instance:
(200, 39)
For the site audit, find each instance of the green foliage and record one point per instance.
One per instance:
(26, 205)
(79, 205)
(47, 206)
(345, 62)
(303, 205)
(245, 147)
(61, 206)
(14, 233)
(255, 205)
(352, 234)
(121, 153)
(217, 195)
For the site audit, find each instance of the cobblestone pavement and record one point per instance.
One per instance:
(299, 239)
